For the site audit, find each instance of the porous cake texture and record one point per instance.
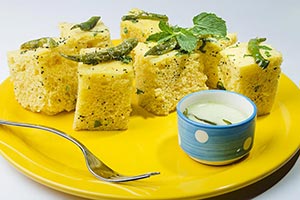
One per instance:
(210, 53)
(43, 80)
(240, 73)
(104, 96)
(76, 39)
(161, 81)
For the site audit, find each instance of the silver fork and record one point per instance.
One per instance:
(95, 165)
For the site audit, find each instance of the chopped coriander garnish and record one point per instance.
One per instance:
(268, 54)
(97, 123)
(230, 55)
(234, 46)
(68, 88)
(265, 48)
(138, 91)
(125, 30)
(220, 85)
(254, 49)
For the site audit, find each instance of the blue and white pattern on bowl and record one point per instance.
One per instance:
(216, 144)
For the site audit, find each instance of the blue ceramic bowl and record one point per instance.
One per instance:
(216, 143)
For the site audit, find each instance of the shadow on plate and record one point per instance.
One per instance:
(253, 190)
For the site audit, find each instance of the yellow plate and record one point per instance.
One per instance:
(150, 144)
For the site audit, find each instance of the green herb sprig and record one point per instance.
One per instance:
(254, 49)
(186, 39)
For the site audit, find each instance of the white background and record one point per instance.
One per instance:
(21, 21)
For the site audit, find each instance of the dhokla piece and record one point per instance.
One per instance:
(210, 53)
(104, 96)
(139, 28)
(43, 80)
(161, 81)
(76, 39)
(240, 73)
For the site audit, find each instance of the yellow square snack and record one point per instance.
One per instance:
(240, 73)
(161, 81)
(43, 80)
(140, 28)
(76, 39)
(104, 96)
(210, 52)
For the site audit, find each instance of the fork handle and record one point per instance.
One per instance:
(46, 128)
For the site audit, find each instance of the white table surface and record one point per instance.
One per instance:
(25, 20)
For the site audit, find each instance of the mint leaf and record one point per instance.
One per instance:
(165, 34)
(165, 27)
(209, 24)
(187, 40)
(157, 36)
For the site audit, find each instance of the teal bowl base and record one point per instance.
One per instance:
(219, 163)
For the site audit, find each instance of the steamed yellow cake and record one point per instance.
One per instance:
(240, 73)
(210, 53)
(161, 81)
(43, 81)
(138, 24)
(76, 39)
(104, 96)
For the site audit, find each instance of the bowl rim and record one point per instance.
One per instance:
(209, 126)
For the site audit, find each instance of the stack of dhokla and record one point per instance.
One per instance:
(43, 80)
